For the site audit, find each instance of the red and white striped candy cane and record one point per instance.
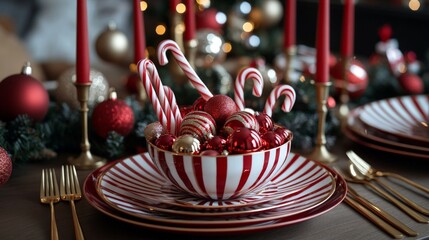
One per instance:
(198, 84)
(258, 84)
(150, 77)
(174, 107)
(279, 90)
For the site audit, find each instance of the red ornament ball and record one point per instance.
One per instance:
(411, 83)
(5, 166)
(357, 78)
(112, 115)
(265, 122)
(199, 124)
(220, 107)
(271, 139)
(207, 20)
(199, 104)
(284, 133)
(165, 141)
(22, 94)
(209, 153)
(185, 110)
(385, 32)
(244, 140)
(131, 83)
(217, 143)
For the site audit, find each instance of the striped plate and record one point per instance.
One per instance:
(135, 187)
(406, 117)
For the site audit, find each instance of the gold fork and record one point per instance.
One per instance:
(364, 168)
(70, 191)
(49, 194)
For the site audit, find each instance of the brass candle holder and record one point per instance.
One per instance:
(290, 54)
(343, 109)
(191, 51)
(177, 28)
(85, 160)
(320, 152)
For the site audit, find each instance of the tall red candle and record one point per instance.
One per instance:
(347, 38)
(189, 20)
(82, 46)
(139, 33)
(173, 5)
(322, 42)
(290, 24)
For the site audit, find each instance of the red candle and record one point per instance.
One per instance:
(189, 20)
(139, 36)
(347, 38)
(290, 24)
(82, 46)
(173, 5)
(322, 42)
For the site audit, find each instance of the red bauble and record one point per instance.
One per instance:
(217, 143)
(112, 115)
(199, 104)
(22, 94)
(207, 20)
(5, 166)
(165, 141)
(271, 139)
(131, 84)
(220, 107)
(284, 133)
(240, 119)
(265, 122)
(244, 140)
(356, 75)
(199, 124)
(385, 32)
(185, 110)
(209, 153)
(411, 83)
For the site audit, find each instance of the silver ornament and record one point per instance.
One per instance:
(66, 90)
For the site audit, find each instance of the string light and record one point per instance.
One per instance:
(181, 8)
(227, 47)
(414, 5)
(143, 6)
(248, 27)
(160, 29)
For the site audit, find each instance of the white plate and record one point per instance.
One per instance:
(406, 117)
(123, 186)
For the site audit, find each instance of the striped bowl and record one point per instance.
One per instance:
(220, 177)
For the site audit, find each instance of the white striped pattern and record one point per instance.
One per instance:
(135, 187)
(242, 119)
(220, 177)
(401, 116)
(278, 91)
(195, 80)
(173, 103)
(198, 124)
(243, 75)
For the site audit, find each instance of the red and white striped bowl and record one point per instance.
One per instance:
(220, 177)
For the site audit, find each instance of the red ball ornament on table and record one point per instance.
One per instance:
(5, 166)
(21, 94)
(411, 83)
(220, 107)
(112, 115)
(244, 140)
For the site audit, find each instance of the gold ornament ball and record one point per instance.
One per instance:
(268, 14)
(112, 45)
(66, 90)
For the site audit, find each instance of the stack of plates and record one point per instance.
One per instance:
(396, 125)
(132, 190)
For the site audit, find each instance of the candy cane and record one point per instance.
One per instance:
(149, 76)
(275, 94)
(258, 84)
(198, 84)
(174, 107)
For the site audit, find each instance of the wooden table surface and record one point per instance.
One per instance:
(22, 216)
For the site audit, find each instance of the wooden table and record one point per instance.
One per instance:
(24, 217)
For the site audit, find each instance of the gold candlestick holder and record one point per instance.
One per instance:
(343, 109)
(85, 160)
(177, 28)
(320, 152)
(191, 51)
(290, 54)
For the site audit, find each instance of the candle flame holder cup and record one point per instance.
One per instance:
(85, 160)
(320, 152)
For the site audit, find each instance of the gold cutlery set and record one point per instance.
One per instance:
(69, 190)
(360, 172)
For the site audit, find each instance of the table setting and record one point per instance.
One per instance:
(218, 168)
